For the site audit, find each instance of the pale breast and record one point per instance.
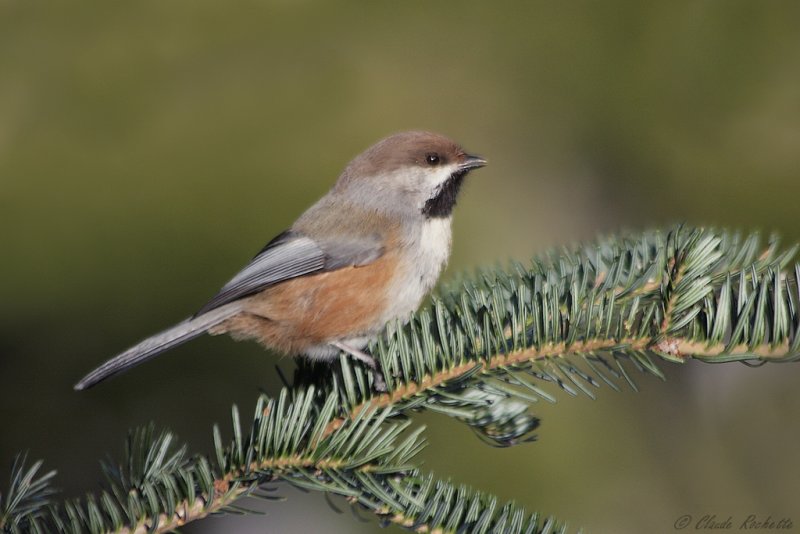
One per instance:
(428, 253)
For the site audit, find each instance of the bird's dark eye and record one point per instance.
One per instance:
(432, 158)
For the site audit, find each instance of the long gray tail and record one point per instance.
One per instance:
(155, 345)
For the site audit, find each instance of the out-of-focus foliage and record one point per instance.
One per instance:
(148, 149)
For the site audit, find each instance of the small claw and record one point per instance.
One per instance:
(378, 382)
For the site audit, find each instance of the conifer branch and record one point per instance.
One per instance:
(575, 319)
(483, 351)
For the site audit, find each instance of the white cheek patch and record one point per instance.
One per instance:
(436, 179)
(433, 180)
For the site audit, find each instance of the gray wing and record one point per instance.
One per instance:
(290, 255)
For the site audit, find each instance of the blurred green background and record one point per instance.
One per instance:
(148, 149)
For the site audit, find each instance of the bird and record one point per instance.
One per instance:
(362, 257)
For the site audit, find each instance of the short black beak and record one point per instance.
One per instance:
(469, 162)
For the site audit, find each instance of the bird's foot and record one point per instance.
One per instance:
(377, 376)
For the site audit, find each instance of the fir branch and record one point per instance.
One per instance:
(578, 318)
(483, 352)
(26, 496)
(157, 488)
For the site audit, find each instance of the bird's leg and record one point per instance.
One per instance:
(378, 382)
